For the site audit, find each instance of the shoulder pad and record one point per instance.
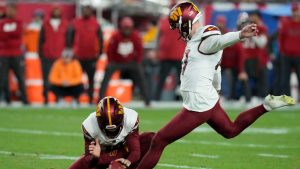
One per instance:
(211, 30)
(86, 133)
(131, 119)
(137, 123)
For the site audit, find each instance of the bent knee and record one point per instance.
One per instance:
(229, 134)
(159, 140)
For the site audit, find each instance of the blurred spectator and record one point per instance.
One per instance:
(289, 38)
(66, 76)
(125, 53)
(170, 52)
(233, 62)
(11, 53)
(86, 38)
(2, 11)
(276, 58)
(51, 44)
(32, 31)
(256, 57)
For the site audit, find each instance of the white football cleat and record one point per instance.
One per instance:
(273, 102)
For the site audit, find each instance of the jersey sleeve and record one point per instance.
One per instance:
(212, 41)
(89, 126)
(86, 134)
(133, 143)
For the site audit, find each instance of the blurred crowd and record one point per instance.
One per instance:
(68, 49)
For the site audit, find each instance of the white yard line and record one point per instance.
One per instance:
(204, 156)
(251, 130)
(181, 141)
(63, 157)
(180, 166)
(41, 156)
(273, 155)
(228, 144)
(40, 132)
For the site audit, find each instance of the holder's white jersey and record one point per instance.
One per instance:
(200, 64)
(90, 124)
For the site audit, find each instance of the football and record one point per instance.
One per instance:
(116, 165)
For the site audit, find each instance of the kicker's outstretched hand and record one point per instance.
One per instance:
(249, 31)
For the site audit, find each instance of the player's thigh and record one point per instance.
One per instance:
(183, 123)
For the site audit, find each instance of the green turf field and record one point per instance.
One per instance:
(45, 138)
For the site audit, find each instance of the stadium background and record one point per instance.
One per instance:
(143, 13)
(49, 137)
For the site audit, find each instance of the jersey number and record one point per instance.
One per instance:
(185, 61)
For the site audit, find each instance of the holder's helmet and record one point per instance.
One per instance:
(110, 116)
(182, 16)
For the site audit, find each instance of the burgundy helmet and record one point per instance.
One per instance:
(110, 115)
(182, 16)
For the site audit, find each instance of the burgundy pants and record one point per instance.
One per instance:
(185, 121)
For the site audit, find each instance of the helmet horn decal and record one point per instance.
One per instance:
(175, 14)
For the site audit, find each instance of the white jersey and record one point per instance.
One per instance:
(130, 123)
(200, 66)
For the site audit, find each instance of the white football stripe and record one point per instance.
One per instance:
(273, 155)
(205, 156)
(63, 157)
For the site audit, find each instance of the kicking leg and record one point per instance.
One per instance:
(221, 123)
(145, 142)
(183, 123)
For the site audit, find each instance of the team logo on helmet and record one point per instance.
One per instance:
(182, 16)
(175, 14)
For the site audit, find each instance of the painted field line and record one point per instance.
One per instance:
(63, 157)
(204, 156)
(228, 144)
(182, 141)
(41, 156)
(40, 132)
(273, 155)
(180, 166)
(251, 130)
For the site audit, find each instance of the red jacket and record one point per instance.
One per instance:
(54, 41)
(10, 37)
(124, 50)
(289, 38)
(170, 48)
(86, 41)
(234, 57)
(253, 51)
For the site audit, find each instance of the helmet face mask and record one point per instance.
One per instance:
(112, 131)
(182, 16)
(110, 116)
